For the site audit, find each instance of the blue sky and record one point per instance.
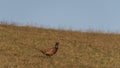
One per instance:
(74, 14)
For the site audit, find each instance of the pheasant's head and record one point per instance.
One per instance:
(56, 44)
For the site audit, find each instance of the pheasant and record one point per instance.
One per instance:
(52, 51)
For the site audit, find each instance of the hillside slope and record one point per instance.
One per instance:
(77, 49)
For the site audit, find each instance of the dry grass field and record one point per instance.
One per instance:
(76, 50)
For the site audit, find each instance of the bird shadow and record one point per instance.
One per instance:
(42, 56)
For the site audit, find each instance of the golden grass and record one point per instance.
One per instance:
(77, 49)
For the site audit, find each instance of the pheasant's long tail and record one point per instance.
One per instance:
(43, 51)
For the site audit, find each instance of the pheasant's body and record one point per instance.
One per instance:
(51, 51)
